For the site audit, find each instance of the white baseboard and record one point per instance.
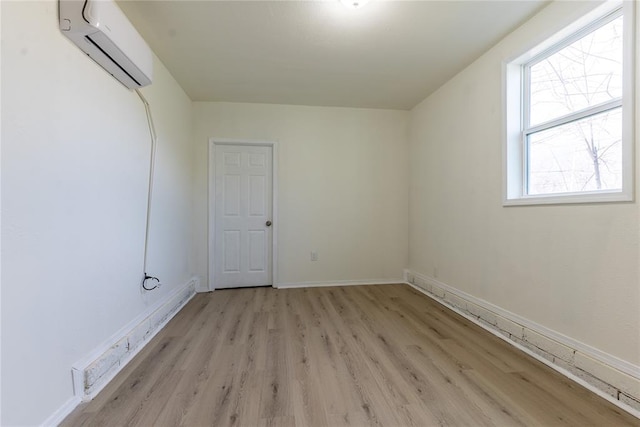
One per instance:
(338, 283)
(610, 377)
(200, 286)
(92, 373)
(62, 412)
(157, 315)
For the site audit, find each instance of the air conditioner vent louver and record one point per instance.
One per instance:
(104, 33)
(113, 61)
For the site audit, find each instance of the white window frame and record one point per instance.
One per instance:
(516, 114)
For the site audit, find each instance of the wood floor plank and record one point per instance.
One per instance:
(307, 402)
(381, 355)
(429, 388)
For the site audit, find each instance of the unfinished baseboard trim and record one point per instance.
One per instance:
(94, 372)
(614, 379)
(338, 283)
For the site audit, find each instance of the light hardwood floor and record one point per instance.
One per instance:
(352, 356)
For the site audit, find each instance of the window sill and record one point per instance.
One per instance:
(570, 198)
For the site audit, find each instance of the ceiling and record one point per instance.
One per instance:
(388, 54)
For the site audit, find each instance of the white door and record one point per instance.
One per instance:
(242, 233)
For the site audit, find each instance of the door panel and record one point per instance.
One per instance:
(257, 250)
(243, 196)
(257, 187)
(232, 159)
(231, 251)
(232, 195)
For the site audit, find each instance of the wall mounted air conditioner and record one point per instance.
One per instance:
(104, 33)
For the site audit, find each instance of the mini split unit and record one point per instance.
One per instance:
(104, 33)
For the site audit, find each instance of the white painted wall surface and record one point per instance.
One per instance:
(75, 158)
(574, 269)
(342, 186)
(0, 231)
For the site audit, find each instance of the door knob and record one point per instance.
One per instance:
(268, 223)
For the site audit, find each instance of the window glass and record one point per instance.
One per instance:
(584, 155)
(586, 73)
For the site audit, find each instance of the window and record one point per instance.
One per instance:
(571, 139)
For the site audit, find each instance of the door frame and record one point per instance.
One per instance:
(212, 203)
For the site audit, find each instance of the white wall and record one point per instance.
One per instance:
(75, 150)
(74, 166)
(343, 186)
(574, 269)
(0, 234)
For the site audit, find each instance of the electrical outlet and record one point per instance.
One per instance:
(411, 279)
(314, 256)
(435, 272)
